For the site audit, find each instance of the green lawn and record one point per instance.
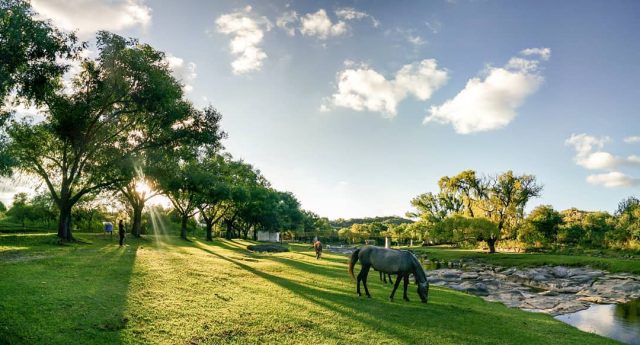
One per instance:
(178, 292)
(611, 264)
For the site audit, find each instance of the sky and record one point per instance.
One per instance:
(358, 106)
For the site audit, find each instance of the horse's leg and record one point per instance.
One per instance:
(406, 283)
(365, 269)
(390, 279)
(395, 287)
(381, 277)
(359, 279)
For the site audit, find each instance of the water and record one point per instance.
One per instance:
(616, 321)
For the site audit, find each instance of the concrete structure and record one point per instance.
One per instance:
(266, 236)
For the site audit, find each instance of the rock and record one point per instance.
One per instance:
(509, 271)
(559, 272)
(469, 275)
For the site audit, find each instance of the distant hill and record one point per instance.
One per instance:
(345, 223)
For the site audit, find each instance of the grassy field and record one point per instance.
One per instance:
(609, 263)
(178, 292)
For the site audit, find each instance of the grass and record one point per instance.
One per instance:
(611, 264)
(196, 292)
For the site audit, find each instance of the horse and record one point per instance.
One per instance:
(400, 262)
(317, 245)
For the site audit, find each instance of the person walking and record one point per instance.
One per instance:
(121, 232)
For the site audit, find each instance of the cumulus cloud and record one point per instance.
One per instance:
(589, 155)
(586, 156)
(362, 88)
(319, 25)
(613, 179)
(287, 22)
(247, 31)
(350, 13)
(543, 53)
(491, 102)
(632, 140)
(89, 16)
(183, 72)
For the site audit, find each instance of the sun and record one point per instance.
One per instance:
(142, 187)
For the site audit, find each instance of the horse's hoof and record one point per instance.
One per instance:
(368, 296)
(390, 299)
(406, 299)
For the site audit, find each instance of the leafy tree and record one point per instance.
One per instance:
(90, 135)
(463, 229)
(3, 208)
(465, 188)
(44, 208)
(435, 207)
(507, 196)
(30, 51)
(214, 196)
(545, 221)
(20, 209)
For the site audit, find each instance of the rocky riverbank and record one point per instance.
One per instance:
(554, 290)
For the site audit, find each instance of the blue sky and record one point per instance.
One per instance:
(330, 102)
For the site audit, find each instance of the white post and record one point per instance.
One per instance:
(387, 243)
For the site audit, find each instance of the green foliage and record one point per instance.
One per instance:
(541, 225)
(465, 230)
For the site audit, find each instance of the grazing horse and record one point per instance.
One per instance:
(317, 245)
(400, 262)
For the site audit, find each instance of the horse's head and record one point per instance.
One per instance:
(423, 291)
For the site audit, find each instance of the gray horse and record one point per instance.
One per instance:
(400, 262)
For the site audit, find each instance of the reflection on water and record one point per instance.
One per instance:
(616, 321)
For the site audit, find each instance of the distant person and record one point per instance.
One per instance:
(317, 245)
(121, 232)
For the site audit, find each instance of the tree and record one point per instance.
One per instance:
(30, 51)
(44, 208)
(20, 209)
(90, 134)
(507, 196)
(465, 187)
(463, 229)
(545, 221)
(214, 196)
(3, 208)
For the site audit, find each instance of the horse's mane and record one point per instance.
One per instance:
(421, 275)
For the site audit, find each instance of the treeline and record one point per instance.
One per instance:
(469, 209)
(119, 128)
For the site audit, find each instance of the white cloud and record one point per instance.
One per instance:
(416, 40)
(491, 102)
(183, 72)
(318, 24)
(350, 13)
(287, 22)
(613, 179)
(585, 156)
(246, 31)
(543, 53)
(632, 140)
(89, 16)
(362, 88)
(589, 155)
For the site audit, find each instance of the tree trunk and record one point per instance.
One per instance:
(183, 228)
(209, 231)
(229, 229)
(64, 222)
(136, 222)
(492, 245)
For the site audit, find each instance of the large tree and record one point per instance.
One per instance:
(506, 198)
(92, 132)
(31, 52)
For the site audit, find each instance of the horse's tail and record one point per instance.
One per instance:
(352, 261)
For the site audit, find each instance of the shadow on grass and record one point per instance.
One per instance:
(77, 296)
(448, 318)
